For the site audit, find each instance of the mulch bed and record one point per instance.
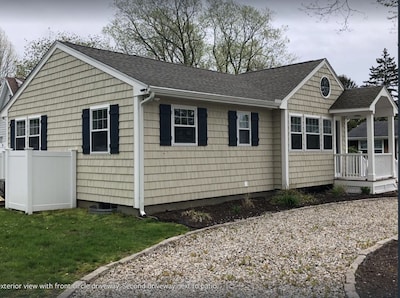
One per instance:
(376, 276)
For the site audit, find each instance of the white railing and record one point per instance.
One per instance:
(354, 166)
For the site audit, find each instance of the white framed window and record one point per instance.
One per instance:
(296, 132)
(20, 134)
(313, 139)
(34, 132)
(184, 125)
(378, 144)
(99, 129)
(244, 128)
(27, 133)
(327, 134)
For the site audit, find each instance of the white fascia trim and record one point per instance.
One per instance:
(208, 97)
(351, 111)
(99, 65)
(93, 62)
(284, 104)
(9, 87)
(384, 93)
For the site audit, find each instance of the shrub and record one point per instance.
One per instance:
(288, 198)
(293, 198)
(197, 216)
(365, 190)
(247, 203)
(236, 209)
(338, 191)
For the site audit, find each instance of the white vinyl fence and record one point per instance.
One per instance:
(2, 164)
(40, 180)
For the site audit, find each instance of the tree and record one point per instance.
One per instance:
(35, 49)
(243, 38)
(385, 74)
(220, 35)
(344, 9)
(7, 56)
(347, 82)
(160, 29)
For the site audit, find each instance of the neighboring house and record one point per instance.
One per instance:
(151, 133)
(358, 137)
(8, 87)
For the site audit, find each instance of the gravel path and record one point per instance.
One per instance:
(296, 253)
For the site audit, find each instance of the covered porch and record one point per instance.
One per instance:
(376, 172)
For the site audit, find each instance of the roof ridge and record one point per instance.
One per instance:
(283, 66)
(189, 66)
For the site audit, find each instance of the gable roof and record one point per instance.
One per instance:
(365, 100)
(380, 130)
(356, 98)
(277, 83)
(8, 87)
(13, 84)
(268, 84)
(264, 88)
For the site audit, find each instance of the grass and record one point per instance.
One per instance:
(58, 247)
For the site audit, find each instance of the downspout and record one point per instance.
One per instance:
(139, 151)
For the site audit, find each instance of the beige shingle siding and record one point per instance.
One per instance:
(61, 90)
(182, 173)
(313, 167)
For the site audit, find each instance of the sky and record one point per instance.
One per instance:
(351, 52)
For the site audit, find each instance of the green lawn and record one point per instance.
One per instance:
(58, 247)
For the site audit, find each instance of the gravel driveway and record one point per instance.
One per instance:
(301, 252)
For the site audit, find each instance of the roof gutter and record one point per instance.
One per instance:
(139, 149)
(209, 97)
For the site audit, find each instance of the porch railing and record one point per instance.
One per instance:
(354, 166)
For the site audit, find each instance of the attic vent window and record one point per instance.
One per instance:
(325, 87)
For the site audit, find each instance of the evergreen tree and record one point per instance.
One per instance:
(347, 82)
(385, 74)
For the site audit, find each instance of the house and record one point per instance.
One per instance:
(8, 87)
(357, 137)
(153, 135)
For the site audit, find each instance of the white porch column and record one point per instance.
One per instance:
(391, 144)
(371, 147)
(345, 146)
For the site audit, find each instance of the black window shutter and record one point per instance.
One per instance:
(12, 134)
(86, 131)
(114, 129)
(43, 132)
(202, 126)
(165, 125)
(254, 129)
(232, 128)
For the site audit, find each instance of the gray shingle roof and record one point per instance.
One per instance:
(380, 130)
(269, 84)
(356, 98)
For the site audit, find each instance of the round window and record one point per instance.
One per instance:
(325, 87)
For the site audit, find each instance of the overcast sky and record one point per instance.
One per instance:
(350, 52)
